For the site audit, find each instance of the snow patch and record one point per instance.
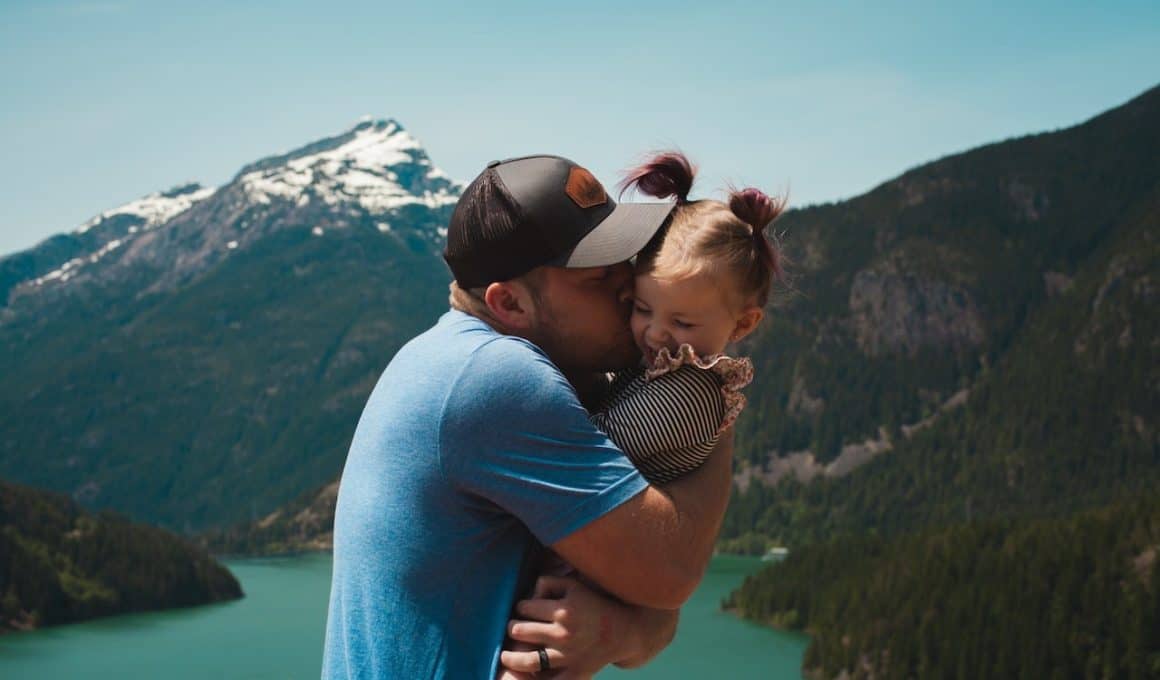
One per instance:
(232, 245)
(156, 208)
(69, 269)
(317, 231)
(358, 171)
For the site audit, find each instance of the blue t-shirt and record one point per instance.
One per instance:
(472, 450)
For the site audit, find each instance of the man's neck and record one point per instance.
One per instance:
(590, 387)
(465, 302)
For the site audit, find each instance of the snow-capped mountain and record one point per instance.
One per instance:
(177, 357)
(374, 175)
(376, 165)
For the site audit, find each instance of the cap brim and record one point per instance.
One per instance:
(621, 235)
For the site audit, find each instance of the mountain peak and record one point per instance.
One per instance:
(369, 122)
(376, 164)
(182, 190)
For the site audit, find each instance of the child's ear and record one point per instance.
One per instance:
(745, 324)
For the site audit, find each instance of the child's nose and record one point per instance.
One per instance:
(657, 334)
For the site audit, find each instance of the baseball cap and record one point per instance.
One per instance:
(527, 212)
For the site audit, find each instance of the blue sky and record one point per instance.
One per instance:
(106, 101)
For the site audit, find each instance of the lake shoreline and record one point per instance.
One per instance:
(278, 631)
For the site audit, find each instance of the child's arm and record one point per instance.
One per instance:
(667, 426)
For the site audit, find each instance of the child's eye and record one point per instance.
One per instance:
(683, 324)
(639, 309)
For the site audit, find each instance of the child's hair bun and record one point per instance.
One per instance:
(755, 208)
(667, 174)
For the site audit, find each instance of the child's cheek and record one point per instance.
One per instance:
(639, 325)
(636, 323)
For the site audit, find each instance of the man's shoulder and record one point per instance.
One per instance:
(458, 337)
(487, 351)
(509, 366)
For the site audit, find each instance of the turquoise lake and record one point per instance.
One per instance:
(276, 632)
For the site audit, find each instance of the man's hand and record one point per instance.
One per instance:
(582, 631)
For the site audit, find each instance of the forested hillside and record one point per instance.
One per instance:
(910, 293)
(976, 338)
(59, 563)
(1051, 406)
(1077, 597)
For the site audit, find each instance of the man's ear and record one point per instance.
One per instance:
(746, 323)
(510, 302)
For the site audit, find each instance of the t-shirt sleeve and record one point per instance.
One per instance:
(513, 433)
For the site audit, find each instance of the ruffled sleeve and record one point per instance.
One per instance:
(733, 373)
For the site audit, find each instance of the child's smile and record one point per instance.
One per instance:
(693, 311)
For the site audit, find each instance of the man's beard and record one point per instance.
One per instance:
(577, 356)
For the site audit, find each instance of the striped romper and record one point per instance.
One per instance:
(667, 417)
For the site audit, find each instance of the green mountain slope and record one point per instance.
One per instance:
(1067, 598)
(905, 294)
(227, 397)
(305, 524)
(1064, 419)
(943, 356)
(59, 564)
(1031, 388)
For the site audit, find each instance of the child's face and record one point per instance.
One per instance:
(692, 311)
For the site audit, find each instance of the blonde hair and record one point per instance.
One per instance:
(726, 241)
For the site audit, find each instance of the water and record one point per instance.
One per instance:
(276, 632)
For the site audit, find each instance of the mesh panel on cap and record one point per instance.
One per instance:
(488, 238)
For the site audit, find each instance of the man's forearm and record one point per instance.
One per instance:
(650, 631)
(653, 550)
(700, 499)
(695, 508)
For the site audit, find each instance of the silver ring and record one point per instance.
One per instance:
(544, 665)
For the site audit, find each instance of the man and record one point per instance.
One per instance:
(474, 449)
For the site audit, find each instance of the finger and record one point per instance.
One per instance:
(547, 611)
(529, 662)
(549, 586)
(520, 662)
(536, 633)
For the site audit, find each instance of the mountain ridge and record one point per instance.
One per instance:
(137, 340)
(911, 294)
(859, 384)
(358, 172)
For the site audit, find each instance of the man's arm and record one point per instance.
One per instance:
(650, 630)
(652, 550)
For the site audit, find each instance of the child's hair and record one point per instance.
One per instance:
(709, 236)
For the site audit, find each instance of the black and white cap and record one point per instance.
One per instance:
(532, 211)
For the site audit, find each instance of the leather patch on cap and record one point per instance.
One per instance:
(584, 189)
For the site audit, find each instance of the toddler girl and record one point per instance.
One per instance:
(700, 284)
